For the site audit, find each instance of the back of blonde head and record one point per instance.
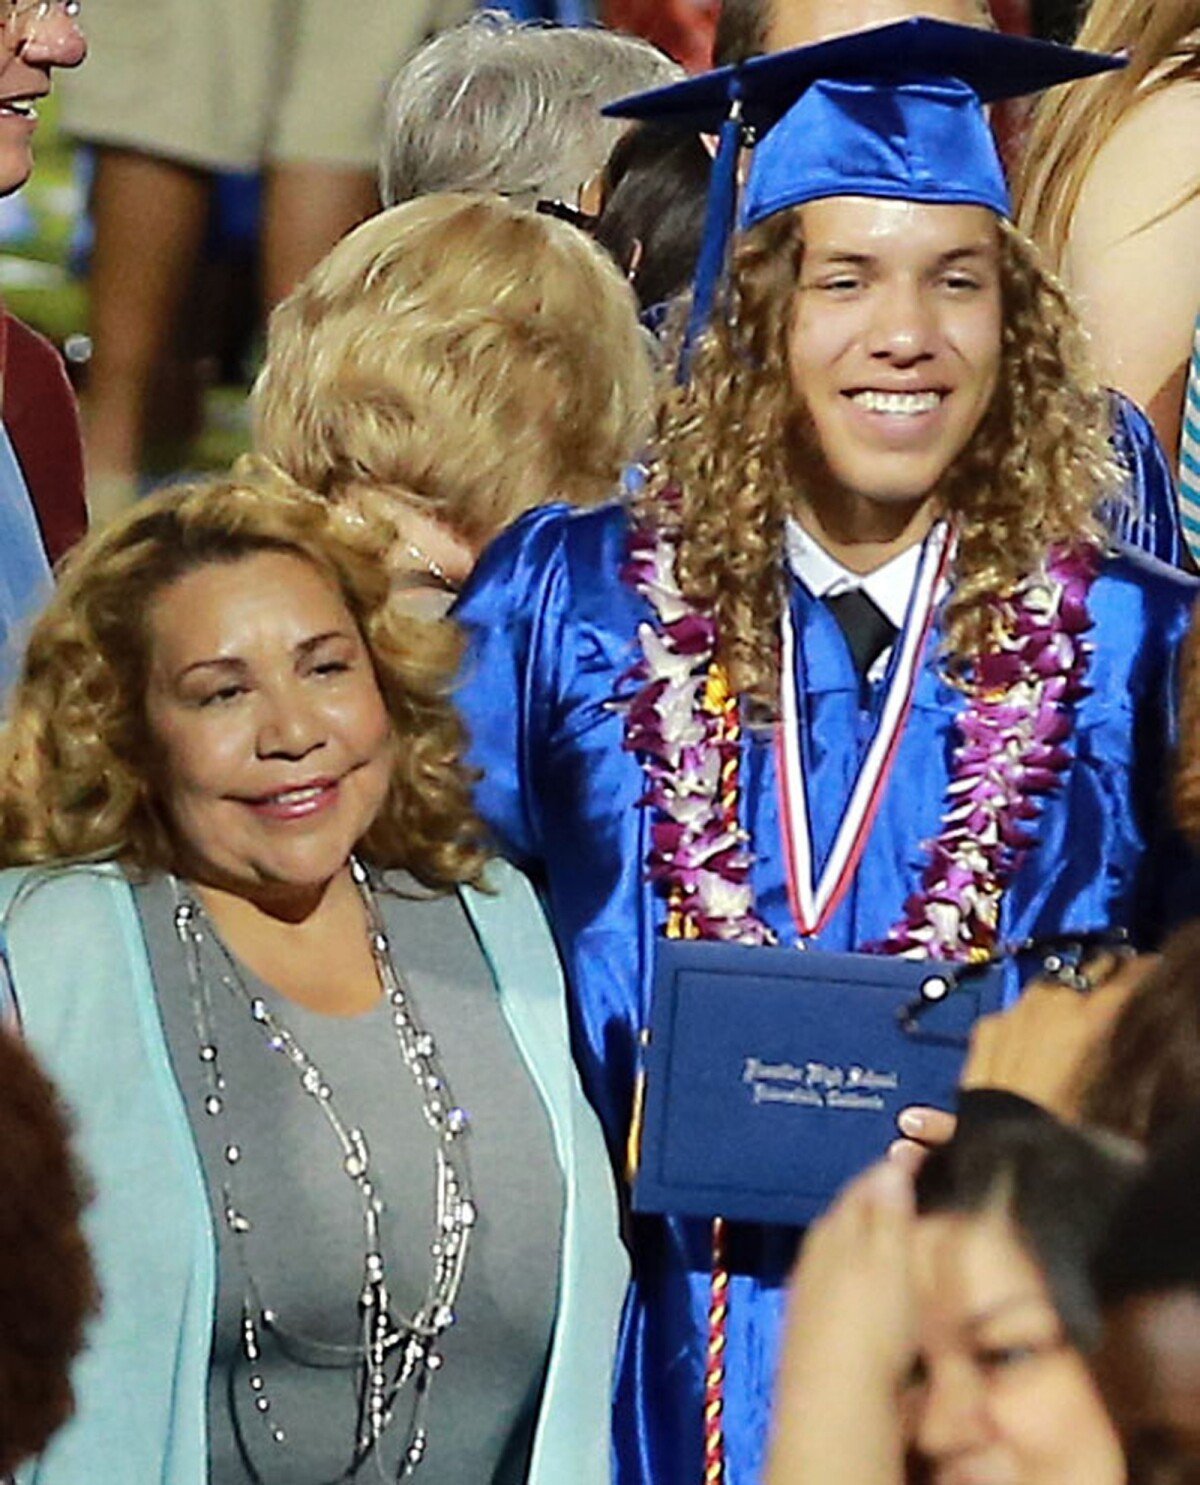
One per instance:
(474, 357)
(1070, 124)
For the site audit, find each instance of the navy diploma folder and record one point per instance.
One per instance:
(772, 1076)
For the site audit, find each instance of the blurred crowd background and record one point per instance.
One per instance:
(198, 416)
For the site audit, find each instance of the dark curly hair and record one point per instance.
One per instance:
(47, 1289)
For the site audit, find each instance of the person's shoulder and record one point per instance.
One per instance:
(25, 341)
(36, 384)
(1130, 566)
(549, 530)
(551, 547)
(58, 921)
(1148, 164)
(42, 418)
(1163, 121)
(1143, 594)
(504, 882)
(61, 887)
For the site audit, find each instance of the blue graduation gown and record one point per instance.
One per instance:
(1148, 515)
(553, 632)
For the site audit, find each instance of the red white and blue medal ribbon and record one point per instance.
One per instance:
(815, 899)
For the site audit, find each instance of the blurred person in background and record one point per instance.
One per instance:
(1110, 189)
(1148, 1278)
(683, 28)
(1054, 20)
(179, 91)
(746, 28)
(453, 362)
(41, 458)
(651, 212)
(513, 109)
(47, 1288)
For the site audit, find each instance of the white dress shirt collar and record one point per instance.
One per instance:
(889, 587)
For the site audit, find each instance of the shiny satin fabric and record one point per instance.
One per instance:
(912, 139)
(1148, 515)
(553, 632)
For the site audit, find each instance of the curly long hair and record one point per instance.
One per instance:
(729, 442)
(77, 774)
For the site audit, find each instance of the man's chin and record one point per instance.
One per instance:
(16, 166)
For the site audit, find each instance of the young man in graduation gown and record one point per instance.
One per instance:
(854, 668)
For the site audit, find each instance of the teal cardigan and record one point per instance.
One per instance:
(82, 983)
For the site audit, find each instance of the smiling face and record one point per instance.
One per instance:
(31, 45)
(1000, 1397)
(895, 339)
(274, 742)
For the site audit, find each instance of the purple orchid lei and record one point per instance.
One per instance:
(1013, 749)
(682, 721)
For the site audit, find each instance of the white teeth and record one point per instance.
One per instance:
(299, 796)
(904, 404)
(22, 110)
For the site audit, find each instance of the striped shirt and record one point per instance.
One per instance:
(1189, 452)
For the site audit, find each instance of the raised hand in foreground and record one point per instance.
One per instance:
(851, 1333)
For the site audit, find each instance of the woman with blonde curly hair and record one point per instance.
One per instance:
(855, 669)
(352, 1214)
(456, 360)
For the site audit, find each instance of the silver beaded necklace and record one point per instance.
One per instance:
(395, 1352)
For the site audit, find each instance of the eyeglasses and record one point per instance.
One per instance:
(565, 212)
(21, 18)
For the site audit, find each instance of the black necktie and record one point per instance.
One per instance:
(867, 628)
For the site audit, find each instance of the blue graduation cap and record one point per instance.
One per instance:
(896, 111)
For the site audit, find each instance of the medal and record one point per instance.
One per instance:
(814, 898)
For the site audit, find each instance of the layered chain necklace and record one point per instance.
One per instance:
(396, 1352)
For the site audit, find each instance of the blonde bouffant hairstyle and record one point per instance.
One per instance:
(472, 357)
(734, 443)
(77, 758)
